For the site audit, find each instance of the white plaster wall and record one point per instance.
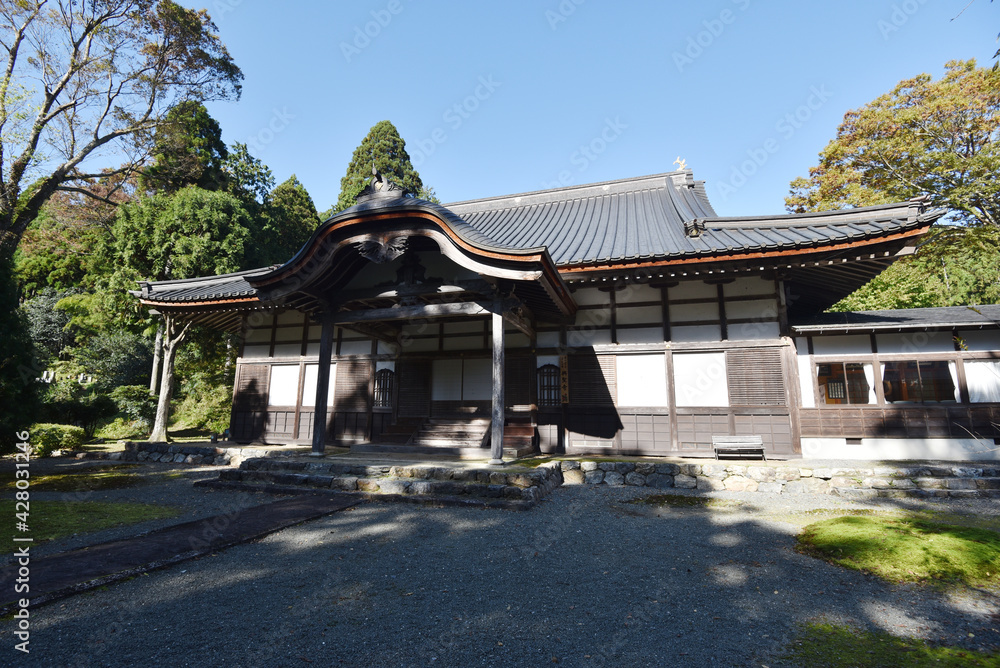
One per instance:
(639, 315)
(547, 339)
(980, 340)
(542, 360)
(642, 380)
(591, 296)
(693, 290)
(915, 342)
(356, 347)
(463, 342)
(754, 331)
(593, 337)
(746, 286)
(258, 336)
(637, 293)
(695, 333)
(651, 335)
(758, 309)
(806, 380)
(693, 312)
(872, 449)
(848, 344)
(256, 352)
(287, 349)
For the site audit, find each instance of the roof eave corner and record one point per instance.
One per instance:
(918, 211)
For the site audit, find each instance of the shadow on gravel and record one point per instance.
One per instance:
(584, 579)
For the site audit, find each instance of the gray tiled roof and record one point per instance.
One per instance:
(660, 216)
(654, 217)
(899, 319)
(208, 288)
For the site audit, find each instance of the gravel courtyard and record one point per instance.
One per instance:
(584, 579)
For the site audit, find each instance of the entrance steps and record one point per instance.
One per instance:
(462, 437)
(513, 488)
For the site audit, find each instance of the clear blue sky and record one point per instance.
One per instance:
(503, 97)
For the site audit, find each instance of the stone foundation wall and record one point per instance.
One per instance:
(187, 454)
(404, 480)
(860, 483)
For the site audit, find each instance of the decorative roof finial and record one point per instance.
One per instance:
(681, 164)
(380, 186)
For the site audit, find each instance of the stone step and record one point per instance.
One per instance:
(460, 452)
(431, 441)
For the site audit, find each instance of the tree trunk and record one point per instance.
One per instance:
(173, 336)
(154, 379)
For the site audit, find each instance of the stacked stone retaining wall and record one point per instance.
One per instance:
(859, 483)
(491, 483)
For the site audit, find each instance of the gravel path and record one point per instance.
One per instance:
(584, 579)
(166, 484)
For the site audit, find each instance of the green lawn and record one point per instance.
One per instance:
(902, 549)
(48, 520)
(830, 646)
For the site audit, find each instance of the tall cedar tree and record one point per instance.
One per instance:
(935, 138)
(291, 218)
(388, 150)
(188, 150)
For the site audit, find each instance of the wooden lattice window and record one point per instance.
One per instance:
(548, 385)
(384, 379)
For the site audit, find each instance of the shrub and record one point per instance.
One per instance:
(87, 411)
(120, 428)
(206, 407)
(135, 403)
(46, 437)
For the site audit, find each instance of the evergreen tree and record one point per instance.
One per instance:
(18, 370)
(290, 220)
(188, 150)
(386, 148)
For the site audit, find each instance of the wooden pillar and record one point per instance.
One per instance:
(322, 387)
(499, 410)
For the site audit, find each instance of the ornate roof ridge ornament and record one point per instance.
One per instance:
(380, 186)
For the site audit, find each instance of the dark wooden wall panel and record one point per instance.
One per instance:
(756, 377)
(250, 403)
(519, 376)
(350, 427)
(414, 376)
(648, 434)
(912, 421)
(352, 386)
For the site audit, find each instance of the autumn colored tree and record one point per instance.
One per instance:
(936, 138)
(81, 78)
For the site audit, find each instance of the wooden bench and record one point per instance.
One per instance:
(739, 447)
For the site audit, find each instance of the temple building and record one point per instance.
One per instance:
(614, 318)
